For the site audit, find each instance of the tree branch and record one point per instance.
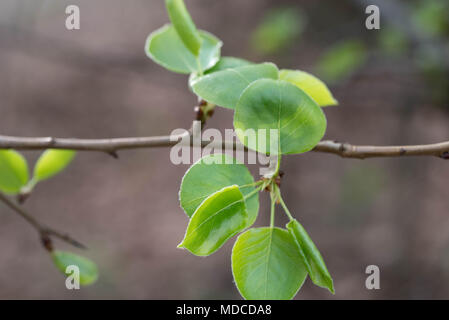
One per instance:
(111, 146)
(44, 232)
(346, 150)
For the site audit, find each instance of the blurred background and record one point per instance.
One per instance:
(393, 88)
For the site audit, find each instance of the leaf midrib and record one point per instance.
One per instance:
(202, 223)
(268, 261)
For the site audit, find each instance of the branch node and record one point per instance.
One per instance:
(113, 153)
(47, 243)
(344, 150)
(278, 178)
(22, 197)
(51, 141)
(199, 115)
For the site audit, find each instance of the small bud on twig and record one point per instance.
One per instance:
(47, 242)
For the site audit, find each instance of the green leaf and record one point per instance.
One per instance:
(311, 85)
(224, 88)
(221, 216)
(13, 171)
(281, 106)
(52, 162)
(313, 260)
(278, 30)
(88, 269)
(224, 64)
(342, 60)
(213, 173)
(431, 17)
(165, 47)
(266, 265)
(228, 63)
(392, 41)
(184, 25)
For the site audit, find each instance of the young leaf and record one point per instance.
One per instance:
(224, 88)
(184, 25)
(213, 173)
(311, 85)
(266, 265)
(279, 29)
(221, 216)
(52, 162)
(341, 60)
(13, 171)
(165, 48)
(228, 63)
(430, 17)
(279, 105)
(88, 269)
(224, 64)
(314, 261)
(393, 41)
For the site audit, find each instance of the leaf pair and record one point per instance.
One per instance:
(220, 198)
(224, 84)
(224, 87)
(273, 263)
(165, 47)
(266, 99)
(14, 175)
(180, 47)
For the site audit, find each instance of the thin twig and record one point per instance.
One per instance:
(111, 146)
(44, 232)
(346, 150)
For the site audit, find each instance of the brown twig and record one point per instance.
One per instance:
(346, 150)
(45, 232)
(111, 146)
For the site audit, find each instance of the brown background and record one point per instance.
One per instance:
(97, 82)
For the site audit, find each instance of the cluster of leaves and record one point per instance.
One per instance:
(14, 173)
(15, 180)
(219, 195)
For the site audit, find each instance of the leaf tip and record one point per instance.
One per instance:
(332, 289)
(333, 102)
(181, 245)
(329, 285)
